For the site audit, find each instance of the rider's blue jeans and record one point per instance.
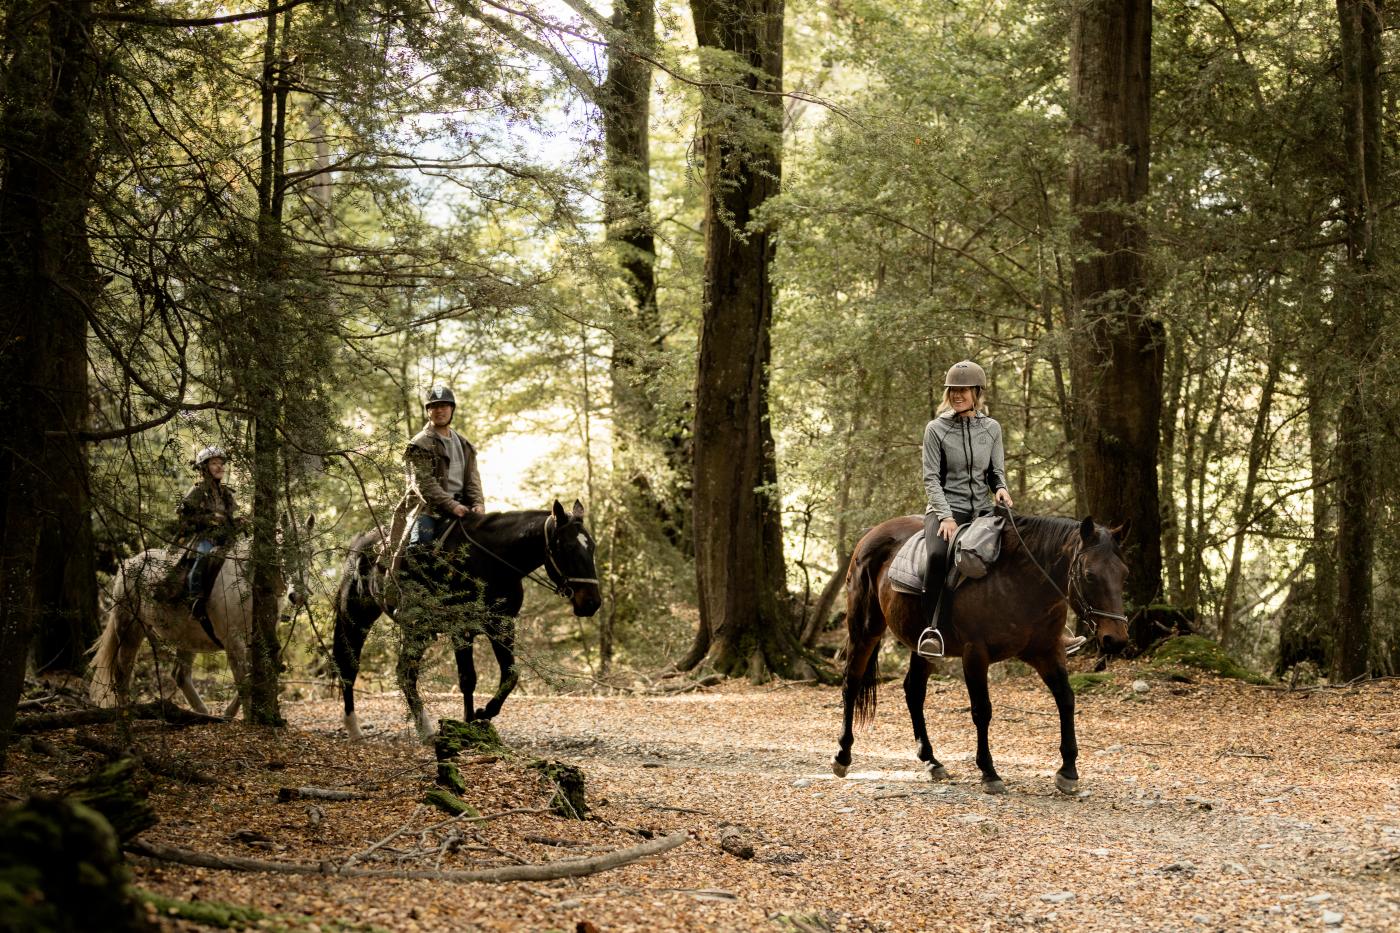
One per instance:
(423, 532)
(202, 548)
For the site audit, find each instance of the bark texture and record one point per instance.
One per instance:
(47, 286)
(1359, 321)
(745, 616)
(1117, 347)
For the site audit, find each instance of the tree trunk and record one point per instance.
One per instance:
(1359, 320)
(1258, 447)
(264, 398)
(1171, 516)
(745, 616)
(47, 286)
(1323, 552)
(1116, 345)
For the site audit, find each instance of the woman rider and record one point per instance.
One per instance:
(207, 521)
(964, 472)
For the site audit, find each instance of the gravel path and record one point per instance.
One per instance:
(1204, 806)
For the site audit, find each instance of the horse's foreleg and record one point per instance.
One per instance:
(915, 692)
(184, 679)
(411, 650)
(975, 666)
(466, 678)
(1056, 677)
(502, 637)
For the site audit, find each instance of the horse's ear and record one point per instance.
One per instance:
(1087, 534)
(559, 514)
(578, 510)
(1120, 532)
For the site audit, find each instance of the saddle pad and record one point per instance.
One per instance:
(906, 572)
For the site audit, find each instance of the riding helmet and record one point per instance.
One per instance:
(967, 374)
(440, 394)
(209, 453)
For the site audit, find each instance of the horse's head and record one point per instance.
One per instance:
(570, 548)
(1096, 584)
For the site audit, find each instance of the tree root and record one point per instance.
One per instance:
(175, 715)
(564, 868)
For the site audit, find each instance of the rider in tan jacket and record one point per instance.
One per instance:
(443, 479)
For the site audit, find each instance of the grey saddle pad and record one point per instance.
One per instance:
(906, 572)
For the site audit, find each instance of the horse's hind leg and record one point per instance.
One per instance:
(502, 637)
(857, 696)
(184, 679)
(915, 691)
(975, 666)
(347, 645)
(1052, 670)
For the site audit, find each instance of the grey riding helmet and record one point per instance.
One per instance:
(966, 374)
(440, 394)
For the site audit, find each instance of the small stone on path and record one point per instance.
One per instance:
(1332, 918)
(1141, 686)
(1059, 897)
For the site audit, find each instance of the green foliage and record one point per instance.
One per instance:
(1203, 654)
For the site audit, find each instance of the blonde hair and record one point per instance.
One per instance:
(979, 402)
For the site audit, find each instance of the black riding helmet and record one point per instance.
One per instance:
(440, 394)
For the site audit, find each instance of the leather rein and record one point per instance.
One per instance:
(564, 585)
(1081, 606)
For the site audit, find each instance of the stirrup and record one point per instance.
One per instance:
(930, 644)
(1074, 643)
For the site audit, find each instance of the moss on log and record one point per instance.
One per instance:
(455, 737)
(568, 782)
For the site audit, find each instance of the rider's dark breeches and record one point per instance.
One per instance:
(936, 573)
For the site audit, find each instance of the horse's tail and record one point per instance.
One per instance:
(114, 653)
(864, 626)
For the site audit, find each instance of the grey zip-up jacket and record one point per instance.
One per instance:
(964, 464)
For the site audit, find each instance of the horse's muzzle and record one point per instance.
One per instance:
(586, 601)
(1112, 644)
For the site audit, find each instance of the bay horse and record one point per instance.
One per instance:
(1047, 565)
(137, 614)
(470, 584)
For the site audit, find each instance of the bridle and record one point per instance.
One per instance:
(563, 588)
(1075, 598)
(556, 580)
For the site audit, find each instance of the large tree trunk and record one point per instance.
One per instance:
(1117, 346)
(47, 285)
(266, 352)
(745, 616)
(1359, 320)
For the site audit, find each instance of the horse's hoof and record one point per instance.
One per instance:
(1066, 785)
(838, 769)
(352, 727)
(936, 772)
(993, 787)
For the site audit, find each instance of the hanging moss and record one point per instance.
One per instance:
(1203, 654)
(455, 737)
(568, 783)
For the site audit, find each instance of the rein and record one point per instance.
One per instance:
(559, 589)
(1084, 610)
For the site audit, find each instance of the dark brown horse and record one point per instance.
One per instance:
(1047, 565)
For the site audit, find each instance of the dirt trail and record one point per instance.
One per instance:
(1212, 806)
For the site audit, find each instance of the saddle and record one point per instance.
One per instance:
(973, 550)
(173, 588)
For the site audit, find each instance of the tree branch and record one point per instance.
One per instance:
(170, 21)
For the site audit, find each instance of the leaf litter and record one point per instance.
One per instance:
(1224, 806)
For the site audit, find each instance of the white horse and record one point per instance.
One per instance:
(136, 615)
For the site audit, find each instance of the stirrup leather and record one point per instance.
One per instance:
(930, 644)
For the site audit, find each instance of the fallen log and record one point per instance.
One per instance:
(285, 794)
(549, 871)
(171, 768)
(172, 714)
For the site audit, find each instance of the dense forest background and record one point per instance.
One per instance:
(702, 266)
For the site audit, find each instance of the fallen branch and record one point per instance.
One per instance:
(385, 841)
(166, 766)
(564, 868)
(285, 794)
(46, 722)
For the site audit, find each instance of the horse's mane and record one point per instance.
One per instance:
(1044, 536)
